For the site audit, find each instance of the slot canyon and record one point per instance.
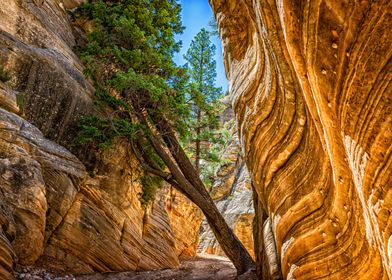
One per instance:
(306, 178)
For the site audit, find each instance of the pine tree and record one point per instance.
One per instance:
(203, 97)
(140, 95)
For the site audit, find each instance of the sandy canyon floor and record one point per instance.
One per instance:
(203, 267)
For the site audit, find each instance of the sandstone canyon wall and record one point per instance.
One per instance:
(312, 91)
(79, 215)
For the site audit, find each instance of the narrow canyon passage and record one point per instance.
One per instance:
(296, 155)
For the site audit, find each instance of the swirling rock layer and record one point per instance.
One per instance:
(312, 91)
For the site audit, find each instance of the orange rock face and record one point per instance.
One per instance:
(312, 91)
(185, 219)
(52, 211)
(54, 215)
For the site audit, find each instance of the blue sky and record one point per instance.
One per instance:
(195, 15)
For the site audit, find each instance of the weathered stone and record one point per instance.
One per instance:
(185, 219)
(237, 209)
(54, 214)
(232, 193)
(7, 233)
(8, 99)
(36, 48)
(24, 152)
(70, 4)
(106, 219)
(312, 96)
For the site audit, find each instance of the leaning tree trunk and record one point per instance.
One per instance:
(230, 244)
(184, 177)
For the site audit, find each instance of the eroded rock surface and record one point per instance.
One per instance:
(312, 91)
(36, 40)
(30, 165)
(54, 213)
(232, 193)
(185, 220)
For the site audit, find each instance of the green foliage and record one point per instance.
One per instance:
(102, 131)
(129, 56)
(150, 152)
(202, 69)
(137, 34)
(21, 101)
(150, 184)
(130, 49)
(214, 155)
(4, 75)
(105, 99)
(203, 99)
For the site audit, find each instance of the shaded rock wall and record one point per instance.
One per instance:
(52, 212)
(312, 91)
(36, 42)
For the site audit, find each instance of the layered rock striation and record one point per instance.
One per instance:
(185, 220)
(312, 91)
(77, 214)
(55, 215)
(37, 42)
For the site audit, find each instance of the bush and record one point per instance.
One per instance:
(21, 101)
(150, 184)
(102, 131)
(4, 75)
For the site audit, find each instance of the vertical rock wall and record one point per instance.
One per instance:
(312, 91)
(54, 215)
(185, 220)
(52, 212)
